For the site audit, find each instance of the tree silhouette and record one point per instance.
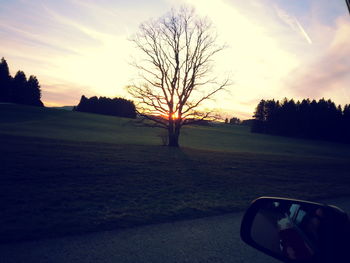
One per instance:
(5, 81)
(18, 89)
(235, 120)
(178, 49)
(346, 123)
(259, 118)
(33, 92)
(106, 106)
(306, 119)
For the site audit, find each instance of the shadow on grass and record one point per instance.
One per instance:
(51, 188)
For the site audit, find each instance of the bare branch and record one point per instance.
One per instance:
(143, 121)
(178, 51)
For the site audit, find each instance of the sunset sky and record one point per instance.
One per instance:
(276, 48)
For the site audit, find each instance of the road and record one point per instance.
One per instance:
(212, 239)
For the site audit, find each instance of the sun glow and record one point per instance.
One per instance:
(174, 116)
(274, 50)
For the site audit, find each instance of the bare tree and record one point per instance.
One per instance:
(177, 49)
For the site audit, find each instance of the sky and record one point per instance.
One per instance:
(275, 48)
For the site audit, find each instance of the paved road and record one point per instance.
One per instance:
(213, 239)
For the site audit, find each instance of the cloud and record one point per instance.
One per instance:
(78, 47)
(68, 42)
(38, 33)
(328, 75)
(63, 93)
(257, 55)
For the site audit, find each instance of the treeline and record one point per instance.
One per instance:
(306, 119)
(233, 120)
(19, 89)
(238, 121)
(107, 106)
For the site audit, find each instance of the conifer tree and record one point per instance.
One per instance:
(5, 81)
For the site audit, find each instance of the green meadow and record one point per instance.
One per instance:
(65, 173)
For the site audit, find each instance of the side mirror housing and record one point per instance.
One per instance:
(297, 231)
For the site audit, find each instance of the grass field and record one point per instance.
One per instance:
(65, 173)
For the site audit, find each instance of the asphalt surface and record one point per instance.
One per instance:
(212, 239)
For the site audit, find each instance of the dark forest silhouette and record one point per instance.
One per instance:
(306, 119)
(18, 89)
(115, 107)
(233, 120)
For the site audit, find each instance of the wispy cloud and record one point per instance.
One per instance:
(80, 47)
(76, 42)
(63, 93)
(327, 75)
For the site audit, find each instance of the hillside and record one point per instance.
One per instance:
(76, 126)
(68, 108)
(64, 173)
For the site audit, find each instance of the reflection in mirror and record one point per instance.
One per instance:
(288, 229)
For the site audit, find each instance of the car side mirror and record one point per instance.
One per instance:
(296, 231)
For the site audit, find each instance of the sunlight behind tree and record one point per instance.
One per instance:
(175, 70)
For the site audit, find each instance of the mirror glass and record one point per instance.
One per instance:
(288, 229)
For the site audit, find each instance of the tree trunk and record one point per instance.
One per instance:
(174, 134)
(173, 139)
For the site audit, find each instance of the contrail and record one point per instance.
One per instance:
(303, 32)
(293, 23)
